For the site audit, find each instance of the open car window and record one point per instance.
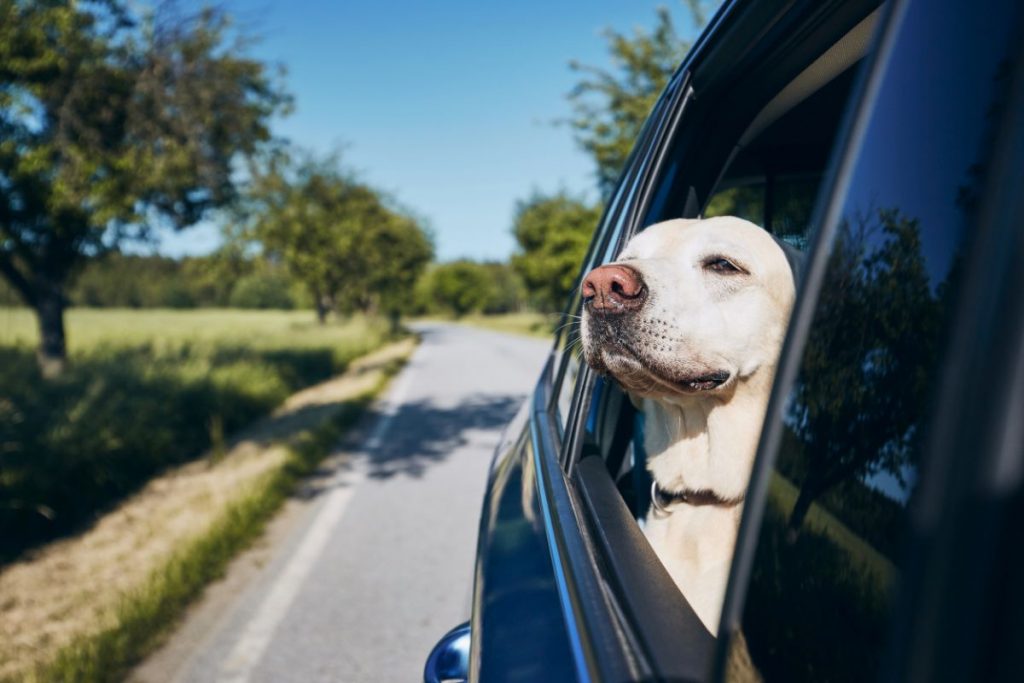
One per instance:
(772, 179)
(766, 161)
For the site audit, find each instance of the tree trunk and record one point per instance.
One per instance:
(324, 305)
(321, 310)
(52, 352)
(806, 496)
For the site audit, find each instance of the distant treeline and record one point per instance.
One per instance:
(228, 279)
(134, 281)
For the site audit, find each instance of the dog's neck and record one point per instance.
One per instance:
(703, 443)
(706, 442)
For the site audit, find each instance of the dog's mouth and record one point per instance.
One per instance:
(707, 380)
(638, 372)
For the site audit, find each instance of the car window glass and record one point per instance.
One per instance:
(830, 547)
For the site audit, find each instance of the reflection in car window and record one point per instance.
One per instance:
(781, 205)
(829, 550)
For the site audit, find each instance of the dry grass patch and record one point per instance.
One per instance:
(85, 608)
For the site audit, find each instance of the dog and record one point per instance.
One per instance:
(690, 321)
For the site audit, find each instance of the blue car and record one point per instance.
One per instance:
(881, 530)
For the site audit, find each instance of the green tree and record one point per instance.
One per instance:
(507, 291)
(267, 289)
(131, 281)
(869, 362)
(460, 287)
(611, 105)
(553, 232)
(211, 279)
(339, 237)
(396, 251)
(109, 123)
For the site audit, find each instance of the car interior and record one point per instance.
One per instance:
(755, 140)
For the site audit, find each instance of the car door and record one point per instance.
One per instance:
(876, 518)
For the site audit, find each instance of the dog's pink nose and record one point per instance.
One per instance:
(613, 289)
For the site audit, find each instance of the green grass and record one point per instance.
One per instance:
(145, 390)
(148, 614)
(802, 584)
(783, 494)
(169, 328)
(530, 324)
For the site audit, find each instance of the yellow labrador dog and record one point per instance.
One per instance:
(690, 321)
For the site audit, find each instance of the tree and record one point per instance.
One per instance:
(461, 286)
(394, 255)
(610, 106)
(266, 289)
(507, 292)
(465, 286)
(553, 232)
(868, 364)
(108, 124)
(339, 237)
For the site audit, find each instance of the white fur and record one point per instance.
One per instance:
(696, 321)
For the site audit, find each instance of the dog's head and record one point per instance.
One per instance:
(691, 308)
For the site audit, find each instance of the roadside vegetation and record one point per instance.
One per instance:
(89, 606)
(145, 390)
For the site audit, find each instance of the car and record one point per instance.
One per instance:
(880, 531)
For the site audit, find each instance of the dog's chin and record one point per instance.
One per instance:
(643, 377)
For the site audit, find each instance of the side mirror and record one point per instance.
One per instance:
(449, 660)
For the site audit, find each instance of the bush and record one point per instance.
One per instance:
(72, 447)
(463, 287)
(262, 290)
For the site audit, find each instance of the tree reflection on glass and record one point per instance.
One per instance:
(868, 363)
(829, 541)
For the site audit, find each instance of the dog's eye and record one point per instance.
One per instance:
(720, 264)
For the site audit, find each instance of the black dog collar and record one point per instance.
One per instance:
(661, 498)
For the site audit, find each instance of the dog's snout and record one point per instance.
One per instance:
(613, 289)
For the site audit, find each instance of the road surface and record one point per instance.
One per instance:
(358, 578)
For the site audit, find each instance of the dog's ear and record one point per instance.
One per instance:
(795, 257)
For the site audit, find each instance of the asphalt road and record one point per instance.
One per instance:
(358, 579)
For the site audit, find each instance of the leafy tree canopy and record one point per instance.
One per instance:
(108, 123)
(465, 286)
(553, 232)
(346, 242)
(611, 105)
(869, 362)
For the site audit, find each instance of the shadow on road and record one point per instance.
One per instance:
(423, 433)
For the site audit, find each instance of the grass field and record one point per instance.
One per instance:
(145, 390)
(88, 329)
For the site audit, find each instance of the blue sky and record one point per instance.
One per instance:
(448, 106)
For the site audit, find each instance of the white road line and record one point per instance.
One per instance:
(253, 643)
(395, 400)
